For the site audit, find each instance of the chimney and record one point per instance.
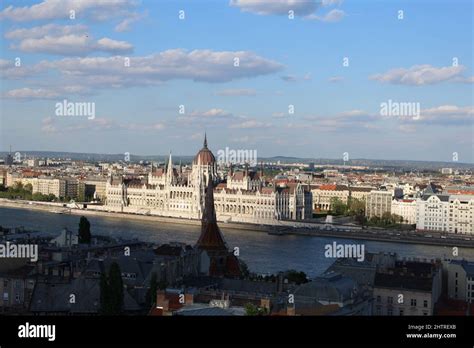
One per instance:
(188, 299)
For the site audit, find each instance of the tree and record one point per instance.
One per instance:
(115, 289)
(111, 291)
(28, 187)
(253, 310)
(84, 231)
(104, 294)
(337, 206)
(151, 293)
(296, 277)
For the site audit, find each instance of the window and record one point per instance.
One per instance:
(413, 302)
(390, 299)
(401, 312)
(389, 311)
(379, 299)
(425, 303)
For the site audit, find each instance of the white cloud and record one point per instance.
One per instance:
(44, 30)
(64, 40)
(60, 9)
(108, 45)
(212, 113)
(47, 125)
(126, 23)
(45, 92)
(113, 72)
(54, 124)
(30, 93)
(332, 16)
(276, 7)
(447, 115)
(236, 92)
(419, 75)
(251, 124)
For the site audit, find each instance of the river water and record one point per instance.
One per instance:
(263, 253)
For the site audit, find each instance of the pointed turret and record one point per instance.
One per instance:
(205, 140)
(169, 172)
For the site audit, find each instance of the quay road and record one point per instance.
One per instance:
(377, 234)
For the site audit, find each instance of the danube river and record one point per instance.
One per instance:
(262, 252)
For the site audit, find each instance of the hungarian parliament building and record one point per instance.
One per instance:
(241, 196)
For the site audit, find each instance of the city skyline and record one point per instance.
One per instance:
(188, 59)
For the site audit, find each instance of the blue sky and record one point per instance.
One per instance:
(283, 62)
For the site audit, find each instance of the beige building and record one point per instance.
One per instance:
(360, 193)
(378, 203)
(322, 195)
(409, 289)
(460, 281)
(46, 186)
(406, 208)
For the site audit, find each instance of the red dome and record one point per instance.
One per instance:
(204, 156)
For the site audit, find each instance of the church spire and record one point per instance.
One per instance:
(205, 140)
(211, 237)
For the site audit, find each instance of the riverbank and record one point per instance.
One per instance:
(287, 228)
(59, 209)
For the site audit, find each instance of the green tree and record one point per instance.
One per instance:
(115, 289)
(296, 277)
(253, 310)
(28, 187)
(84, 231)
(337, 206)
(111, 291)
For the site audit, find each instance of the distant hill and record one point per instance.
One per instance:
(377, 163)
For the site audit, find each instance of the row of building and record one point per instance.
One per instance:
(432, 211)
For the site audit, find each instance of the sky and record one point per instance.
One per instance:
(309, 78)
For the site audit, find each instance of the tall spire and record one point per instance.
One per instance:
(205, 140)
(211, 238)
(209, 214)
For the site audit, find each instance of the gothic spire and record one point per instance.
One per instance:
(211, 237)
(169, 173)
(205, 140)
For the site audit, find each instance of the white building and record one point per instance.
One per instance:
(170, 192)
(445, 213)
(406, 208)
